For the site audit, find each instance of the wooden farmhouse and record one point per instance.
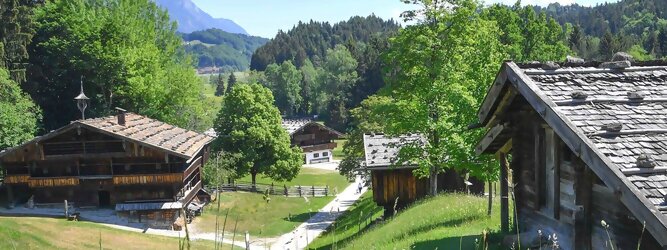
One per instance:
(316, 140)
(586, 143)
(146, 169)
(391, 180)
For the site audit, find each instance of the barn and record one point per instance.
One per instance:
(393, 183)
(315, 139)
(584, 146)
(141, 167)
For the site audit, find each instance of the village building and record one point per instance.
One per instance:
(315, 139)
(145, 169)
(587, 145)
(394, 184)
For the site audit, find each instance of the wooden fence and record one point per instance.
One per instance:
(294, 191)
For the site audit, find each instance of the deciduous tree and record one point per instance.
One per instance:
(248, 125)
(19, 116)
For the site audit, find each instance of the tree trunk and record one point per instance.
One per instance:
(433, 179)
(254, 178)
(490, 198)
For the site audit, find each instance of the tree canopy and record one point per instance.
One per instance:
(249, 126)
(19, 116)
(128, 54)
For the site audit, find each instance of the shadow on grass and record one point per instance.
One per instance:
(465, 242)
(302, 217)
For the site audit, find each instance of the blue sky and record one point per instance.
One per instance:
(265, 17)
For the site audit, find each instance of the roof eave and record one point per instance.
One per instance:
(584, 148)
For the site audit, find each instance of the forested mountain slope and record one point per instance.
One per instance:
(215, 47)
(311, 40)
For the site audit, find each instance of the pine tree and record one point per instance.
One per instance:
(607, 46)
(16, 32)
(575, 38)
(662, 41)
(220, 85)
(231, 81)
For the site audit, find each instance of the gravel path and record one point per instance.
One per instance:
(309, 230)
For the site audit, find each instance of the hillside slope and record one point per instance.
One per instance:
(215, 47)
(191, 18)
(443, 222)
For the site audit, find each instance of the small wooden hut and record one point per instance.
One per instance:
(142, 167)
(587, 145)
(393, 184)
(316, 140)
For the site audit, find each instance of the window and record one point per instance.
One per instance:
(316, 155)
(325, 154)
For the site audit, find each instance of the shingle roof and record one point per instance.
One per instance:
(587, 104)
(294, 125)
(152, 132)
(380, 150)
(144, 130)
(608, 103)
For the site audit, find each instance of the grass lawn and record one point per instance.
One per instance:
(49, 233)
(449, 221)
(307, 177)
(280, 215)
(259, 218)
(338, 151)
(348, 225)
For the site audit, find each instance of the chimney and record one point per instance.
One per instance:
(121, 116)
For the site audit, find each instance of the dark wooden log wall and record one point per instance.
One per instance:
(312, 135)
(582, 200)
(397, 183)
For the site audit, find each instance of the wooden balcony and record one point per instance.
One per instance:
(191, 168)
(34, 182)
(147, 179)
(16, 179)
(318, 147)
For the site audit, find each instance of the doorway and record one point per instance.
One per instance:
(104, 198)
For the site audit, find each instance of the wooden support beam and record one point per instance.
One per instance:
(489, 138)
(583, 188)
(504, 193)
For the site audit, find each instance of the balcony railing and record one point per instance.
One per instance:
(147, 179)
(15, 179)
(34, 182)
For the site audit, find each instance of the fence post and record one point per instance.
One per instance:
(286, 193)
(271, 191)
(300, 195)
(313, 190)
(326, 190)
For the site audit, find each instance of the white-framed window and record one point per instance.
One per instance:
(316, 155)
(325, 154)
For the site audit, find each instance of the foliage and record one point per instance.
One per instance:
(248, 125)
(217, 48)
(128, 55)
(19, 116)
(284, 81)
(219, 85)
(311, 40)
(231, 81)
(528, 36)
(218, 168)
(446, 61)
(364, 121)
(338, 76)
(16, 31)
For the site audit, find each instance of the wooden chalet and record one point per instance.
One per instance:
(316, 140)
(390, 180)
(142, 167)
(588, 143)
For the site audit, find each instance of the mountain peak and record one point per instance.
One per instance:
(191, 18)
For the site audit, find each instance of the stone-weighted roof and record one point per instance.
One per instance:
(610, 101)
(381, 151)
(612, 115)
(152, 132)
